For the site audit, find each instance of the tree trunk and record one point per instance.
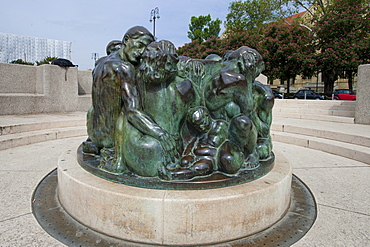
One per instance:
(288, 86)
(328, 77)
(350, 80)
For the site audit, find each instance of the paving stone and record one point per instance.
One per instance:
(25, 231)
(337, 228)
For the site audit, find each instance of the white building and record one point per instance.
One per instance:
(32, 49)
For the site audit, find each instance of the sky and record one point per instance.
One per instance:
(91, 24)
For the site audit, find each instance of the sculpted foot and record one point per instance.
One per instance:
(202, 167)
(251, 162)
(111, 164)
(89, 147)
(163, 173)
(182, 174)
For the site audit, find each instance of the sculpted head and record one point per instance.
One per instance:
(263, 96)
(158, 62)
(200, 119)
(134, 43)
(247, 60)
(113, 46)
(214, 57)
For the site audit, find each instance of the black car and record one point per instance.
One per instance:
(277, 95)
(307, 94)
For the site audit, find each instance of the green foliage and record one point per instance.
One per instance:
(202, 50)
(343, 39)
(287, 49)
(320, 6)
(46, 60)
(254, 13)
(20, 61)
(337, 45)
(203, 28)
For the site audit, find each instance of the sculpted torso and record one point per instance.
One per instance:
(108, 76)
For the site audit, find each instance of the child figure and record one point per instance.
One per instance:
(209, 149)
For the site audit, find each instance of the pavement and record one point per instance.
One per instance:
(340, 185)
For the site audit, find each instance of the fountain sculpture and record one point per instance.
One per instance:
(179, 149)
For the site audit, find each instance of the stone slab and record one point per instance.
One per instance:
(340, 186)
(327, 183)
(339, 228)
(43, 89)
(362, 113)
(25, 231)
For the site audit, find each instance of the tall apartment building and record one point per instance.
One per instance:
(31, 49)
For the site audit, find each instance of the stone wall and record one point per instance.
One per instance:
(362, 115)
(47, 88)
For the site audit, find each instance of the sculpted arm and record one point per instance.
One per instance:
(139, 119)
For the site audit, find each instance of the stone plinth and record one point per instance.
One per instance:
(362, 115)
(174, 217)
(26, 89)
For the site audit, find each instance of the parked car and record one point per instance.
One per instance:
(307, 94)
(344, 94)
(277, 95)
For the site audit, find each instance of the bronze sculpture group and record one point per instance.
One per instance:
(158, 115)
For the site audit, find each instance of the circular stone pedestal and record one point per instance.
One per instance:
(174, 217)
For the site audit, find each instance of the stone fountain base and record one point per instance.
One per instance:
(174, 217)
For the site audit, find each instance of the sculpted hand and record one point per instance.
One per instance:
(168, 144)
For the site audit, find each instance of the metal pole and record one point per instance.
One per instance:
(154, 14)
(95, 56)
(154, 26)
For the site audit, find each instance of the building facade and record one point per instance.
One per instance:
(32, 49)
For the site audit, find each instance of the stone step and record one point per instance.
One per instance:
(26, 123)
(327, 118)
(313, 111)
(347, 150)
(30, 137)
(322, 110)
(318, 104)
(343, 132)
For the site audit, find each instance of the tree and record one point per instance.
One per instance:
(46, 60)
(202, 50)
(319, 6)
(203, 28)
(254, 13)
(287, 51)
(343, 40)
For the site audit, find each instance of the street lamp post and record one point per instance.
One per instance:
(154, 14)
(95, 56)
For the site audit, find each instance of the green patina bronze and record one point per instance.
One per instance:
(161, 118)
